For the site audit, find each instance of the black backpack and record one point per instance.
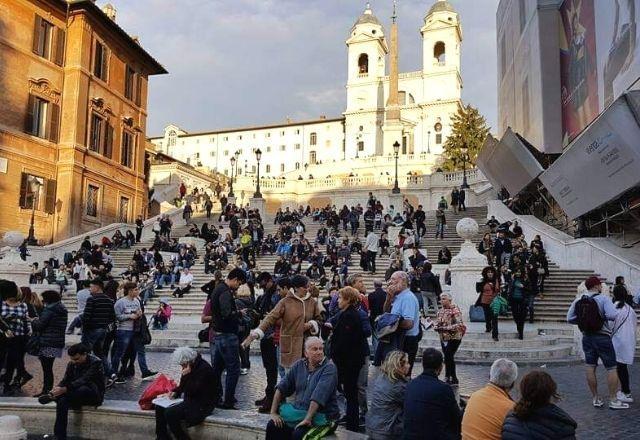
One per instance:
(589, 318)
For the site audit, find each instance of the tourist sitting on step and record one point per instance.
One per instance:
(444, 255)
(184, 284)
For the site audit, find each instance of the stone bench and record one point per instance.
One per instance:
(126, 420)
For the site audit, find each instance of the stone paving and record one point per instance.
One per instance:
(593, 423)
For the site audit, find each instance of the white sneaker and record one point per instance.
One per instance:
(597, 402)
(616, 404)
(244, 371)
(624, 398)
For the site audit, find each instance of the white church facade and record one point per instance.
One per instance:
(426, 100)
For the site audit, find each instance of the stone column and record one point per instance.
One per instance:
(260, 204)
(11, 266)
(466, 267)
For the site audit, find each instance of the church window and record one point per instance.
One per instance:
(283, 147)
(363, 64)
(312, 157)
(212, 139)
(226, 152)
(439, 53)
(297, 165)
(92, 201)
(268, 168)
(361, 146)
(240, 137)
(297, 131)
(313, 138)
(438, 130)
(282, 133)
(268, 135)
(282, 168)
(268, 149)
(212, 154)
(171, 142)
(226, 138)
(297, 146)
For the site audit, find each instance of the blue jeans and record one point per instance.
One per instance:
(94, 339)
(226, 356)
(163, 279)
(123, 339)
(440, 230)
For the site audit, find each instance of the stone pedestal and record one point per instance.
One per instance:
(466, 267)
(260, 204)
(11, 266)
(396, 200)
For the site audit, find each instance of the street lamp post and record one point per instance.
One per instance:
(257, 194)
(396, 149)
(429, 142)
(233, 167)
(465, 151)
(34, 186)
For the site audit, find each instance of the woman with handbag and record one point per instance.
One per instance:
(624, 340)
(15, 314)
(47, 341)
(489, 288)
(449, 325)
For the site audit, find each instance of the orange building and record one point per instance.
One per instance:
(73, 111)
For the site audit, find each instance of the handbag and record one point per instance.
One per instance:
(161, 385)
(143, 332)
(203, 335)
(33, 345)
(476, 314)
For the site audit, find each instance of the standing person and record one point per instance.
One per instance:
(346, 351)
(430, 408)
(82, 384)
(441, 223)
(518, 294)
(376, 301)
(371, 247)
(592, 312)
(485, 247)
(419, 216)
(454, 199)
(535, 416)
(385, 416)
(139, 227)
(502, 249)
(208, 206)
(196, 389)
(489, 289)
(450, 326)
(430, 288)
(98, 318)
(624, 341)
(225, 323)
(81, 297)
(264, 304)
(183, 190)
(299, 315)
(50, 327)
(129, 314)
(462, 195)
(488, 407)
(187, 212)
(401, 301)
(16, 314)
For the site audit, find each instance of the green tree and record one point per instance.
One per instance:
(469, 129)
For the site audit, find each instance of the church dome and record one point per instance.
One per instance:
(441, 6)
(367, 18)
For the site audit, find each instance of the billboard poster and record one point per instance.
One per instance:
(599, 58)
(578, 73)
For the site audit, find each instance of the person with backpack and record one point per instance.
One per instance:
(624, 340)
(592, 312)
(518, 293)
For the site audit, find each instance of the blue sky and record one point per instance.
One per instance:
(235, 63)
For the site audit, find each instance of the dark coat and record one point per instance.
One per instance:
(198, 388)
(430, 410)
(88, 374)
(51, 325)
(499, 248)
(546, 423)
(347, 340)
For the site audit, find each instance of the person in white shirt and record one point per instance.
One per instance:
(371, 247)
(184, 285)
(81, 297)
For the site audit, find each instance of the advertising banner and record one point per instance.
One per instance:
(602, 163)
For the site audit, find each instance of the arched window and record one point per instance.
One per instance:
(313, 138)
(363, 63)
(171, 142)
(438, 130)
(439, 53)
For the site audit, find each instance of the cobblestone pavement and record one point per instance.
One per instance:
(592, 423)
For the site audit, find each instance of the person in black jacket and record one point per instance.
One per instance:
(83, 384)
(376, 301)
(430, 408)
(197, 388)
(97, 317)
(430, 288)
(347, 351)
(50, 327)
(534, 416)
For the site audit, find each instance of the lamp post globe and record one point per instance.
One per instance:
(396, 150)
(257, 194)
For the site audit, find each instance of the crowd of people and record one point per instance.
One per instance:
(313, 324)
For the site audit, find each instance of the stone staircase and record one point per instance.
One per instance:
(547, 341)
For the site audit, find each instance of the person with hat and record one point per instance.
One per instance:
(98, 317)
(594, 313)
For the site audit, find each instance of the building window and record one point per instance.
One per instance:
(43, 118)
(297, 165)
(92, 200)
(297, 146)
(282, 133)
(268, 135)
(96, 133)
(48, 41)
(363, 64)
(226, 152)
(123, 210)
(100, 61)
(226, 138)
(129, 82)
(126, 153)
(212, 154)
(312, 157)
(240, 137)
(268, 149)
(212, 140)
(438, 129)
(268, 168)
(298, 131)
(361, 146)
(313, 138)
(282, 168)
(172, 137)
(30, 191)
(439, 53)
(283, 147)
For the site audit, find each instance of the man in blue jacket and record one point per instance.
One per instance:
(430, 408)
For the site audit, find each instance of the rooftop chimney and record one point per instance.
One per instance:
(109, 11)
